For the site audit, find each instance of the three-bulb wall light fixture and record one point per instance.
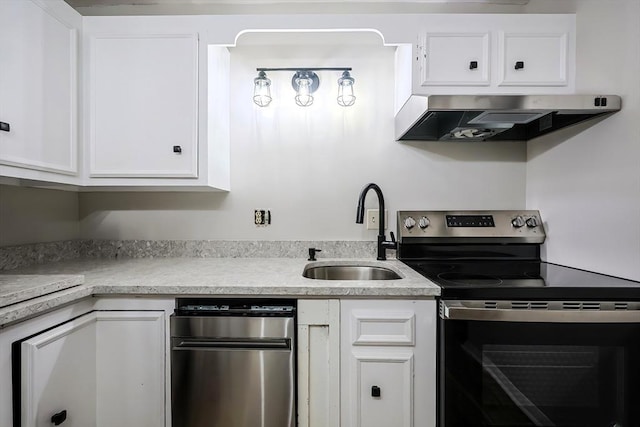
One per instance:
(305, 82)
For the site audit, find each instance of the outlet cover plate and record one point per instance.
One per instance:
(373, 218)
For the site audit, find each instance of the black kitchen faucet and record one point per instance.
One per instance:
(383, 244)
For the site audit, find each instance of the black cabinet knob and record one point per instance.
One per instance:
(5, 126)
(375, 391)
(177, 149)
(519, 65)
(59, 418)
(473, 65)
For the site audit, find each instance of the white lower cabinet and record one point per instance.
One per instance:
(105, 368)
(58, 374)
(318, 363)
(388, 366)
(130, 374)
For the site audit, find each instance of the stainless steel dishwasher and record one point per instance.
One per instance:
(233, 363)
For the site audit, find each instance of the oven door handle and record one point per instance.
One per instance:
(472, 310)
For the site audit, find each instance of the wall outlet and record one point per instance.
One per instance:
(261, 217)
(373, 218)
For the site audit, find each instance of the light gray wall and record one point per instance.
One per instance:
(308, 165)
(30, 215)
(588, 186)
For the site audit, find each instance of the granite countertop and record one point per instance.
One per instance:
(18, 288)
(43, 287)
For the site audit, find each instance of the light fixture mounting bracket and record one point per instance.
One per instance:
(315, 80)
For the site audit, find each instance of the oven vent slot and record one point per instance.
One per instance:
(620, 306)
(567, 305)
(520, 305)
(571, 305)
(529, 305)
(539, 305)
(490, 304)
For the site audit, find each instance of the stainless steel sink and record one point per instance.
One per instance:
(349, 272)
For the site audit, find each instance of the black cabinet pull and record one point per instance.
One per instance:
(473, 65)
(59, 418)
(519, 65)
(375, 391)
(177, 149)
(5, 126)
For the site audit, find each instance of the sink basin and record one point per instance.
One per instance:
(349, 272)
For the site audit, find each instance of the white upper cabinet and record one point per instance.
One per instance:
(455, 59)
(38, 90)
(156, 106)
(144, 106)
(497, 54)
(533, 59)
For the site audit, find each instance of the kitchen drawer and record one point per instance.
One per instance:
(383, 327)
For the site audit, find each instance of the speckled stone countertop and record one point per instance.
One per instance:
(208, 276)
(18, 288)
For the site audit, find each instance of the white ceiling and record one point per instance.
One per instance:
(92, 3)
(196, 7)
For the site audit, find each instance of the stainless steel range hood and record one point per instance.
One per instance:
(496, 117)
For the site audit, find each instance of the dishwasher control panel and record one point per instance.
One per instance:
(234, 307)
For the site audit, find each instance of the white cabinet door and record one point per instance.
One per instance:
(37, 87)
(388, 368)
(105, 368)
(58, 373)
(130, 351)
(477, 54)
(318, 363)
(533, 59)
(452, 59)
(144, 106)
(384, 386)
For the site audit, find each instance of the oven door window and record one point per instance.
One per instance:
(533, 374)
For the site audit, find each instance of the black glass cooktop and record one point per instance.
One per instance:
(479, 279)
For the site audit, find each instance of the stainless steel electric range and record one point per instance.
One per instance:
(522, 342)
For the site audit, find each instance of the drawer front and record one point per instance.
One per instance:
(383, 327)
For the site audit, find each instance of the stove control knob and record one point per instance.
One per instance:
(424, 222)
(517, 222)
(532, 222)
(409, 223)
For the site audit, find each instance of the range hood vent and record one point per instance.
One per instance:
(496, 117)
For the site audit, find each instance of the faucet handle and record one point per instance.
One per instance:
(393, 236)
(312, 254)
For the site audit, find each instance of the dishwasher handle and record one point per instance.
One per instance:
(232, 344)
